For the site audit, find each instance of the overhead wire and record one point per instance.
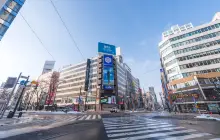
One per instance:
(64, 24)
(36, 36)
(152, 70)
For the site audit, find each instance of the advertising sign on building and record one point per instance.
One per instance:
(108, 60)
(108, 78)
(87, 75)
(113, 100)
(109, 100)
(106, 48)
(104, 101)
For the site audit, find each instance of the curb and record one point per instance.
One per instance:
(183, 118)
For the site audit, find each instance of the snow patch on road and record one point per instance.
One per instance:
(206, 116)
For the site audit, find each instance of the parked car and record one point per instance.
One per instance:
(114, 110)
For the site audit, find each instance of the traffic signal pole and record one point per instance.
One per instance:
(19, 99)
(9, 98)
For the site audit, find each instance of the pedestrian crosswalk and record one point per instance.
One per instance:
(44, 120)
(140, 128)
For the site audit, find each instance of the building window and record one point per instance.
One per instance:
(13, 5)
(5, 15)
(3, 29)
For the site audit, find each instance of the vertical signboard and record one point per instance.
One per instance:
(108, 78)
(109, 100)
(87, 74)
(113, 100)
(108, 72)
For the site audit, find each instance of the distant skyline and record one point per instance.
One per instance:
(135, 26)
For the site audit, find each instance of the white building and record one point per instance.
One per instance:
(187, 50)
(74, 75)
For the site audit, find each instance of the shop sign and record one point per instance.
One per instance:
(195, 95)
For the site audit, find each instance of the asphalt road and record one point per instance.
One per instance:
(132, 126)
(84, 130)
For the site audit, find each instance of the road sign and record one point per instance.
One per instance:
(11, 81)
(23, 82)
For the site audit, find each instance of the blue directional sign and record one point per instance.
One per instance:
(23, 82)
(106, 48)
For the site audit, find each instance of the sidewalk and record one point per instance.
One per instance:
(188, 115)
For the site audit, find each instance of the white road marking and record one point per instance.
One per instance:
(156, 135)
(187, 136)
(87, 118)
(143, 132)
(99, 117)
(82, 117)
(136, 129)
(127, 123)
(94, 117)
(134, 126)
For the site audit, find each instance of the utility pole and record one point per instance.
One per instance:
(19, 99)
(79, 97)
(85, 102)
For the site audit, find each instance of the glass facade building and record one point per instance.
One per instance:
(8, 11)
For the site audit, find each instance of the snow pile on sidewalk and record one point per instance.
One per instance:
(206, 116)
(56, 112)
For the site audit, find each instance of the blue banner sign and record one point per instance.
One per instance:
(108, 78)
(106, 48)
(107, 60)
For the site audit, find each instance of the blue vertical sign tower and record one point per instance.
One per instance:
(108, 72)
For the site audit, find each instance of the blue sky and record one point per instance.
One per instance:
(133, 25)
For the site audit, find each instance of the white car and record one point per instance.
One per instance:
(114, 110)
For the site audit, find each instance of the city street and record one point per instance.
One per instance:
(123, 126)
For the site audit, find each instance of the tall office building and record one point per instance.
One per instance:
(8, 11)
(190, 61)
(187, 50)
(82, 81)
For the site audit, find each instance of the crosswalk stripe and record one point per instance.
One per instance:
(215, 139)
(187, 136)
(73, 119)
(125, 124)
(136, 129)
(82, 117)
(142, 132)
(94, 117)
(156, 135)
(99, 117)
(122, 121)
(131, 125)
(134, 126)
(88, 117)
